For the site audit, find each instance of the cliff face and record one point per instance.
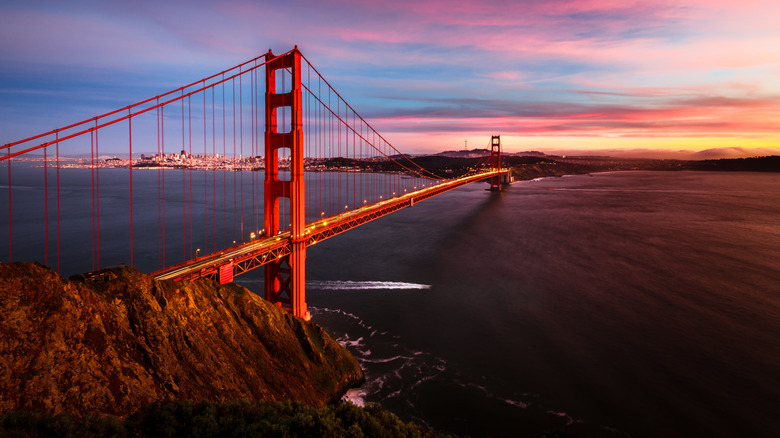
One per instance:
(112, 347)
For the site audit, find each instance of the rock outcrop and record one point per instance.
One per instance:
(113, 346)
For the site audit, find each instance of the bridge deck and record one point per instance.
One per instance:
(250, 255)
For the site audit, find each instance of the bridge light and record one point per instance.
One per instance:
(345, 207)
(196, 252)
(252, 235)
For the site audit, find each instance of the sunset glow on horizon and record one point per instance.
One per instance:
(429, 75)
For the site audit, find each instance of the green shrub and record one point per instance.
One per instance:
(209, 419)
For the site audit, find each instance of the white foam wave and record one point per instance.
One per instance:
(354, 396)
(388, 359)
(364, 285)
(346, 342)
(516, 403)
(569, 419)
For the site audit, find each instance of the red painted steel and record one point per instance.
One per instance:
(10, 215)
(285, 277)
(130, 157)
(495, 162)
(226, 273)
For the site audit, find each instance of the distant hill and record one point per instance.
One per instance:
(733, 152)
(473, 153)
(755, 164)
(478, 153)
(530, 166)
(113, 347)
(670, 154)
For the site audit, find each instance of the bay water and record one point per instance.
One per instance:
(613, 304)
(616, 304)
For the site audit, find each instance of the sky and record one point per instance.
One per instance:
(645, 77)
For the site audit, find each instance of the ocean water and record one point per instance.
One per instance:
(637, 304)
(616, 304)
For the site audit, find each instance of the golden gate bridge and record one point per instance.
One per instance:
(275, 113)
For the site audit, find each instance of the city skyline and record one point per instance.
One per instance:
(430, 76)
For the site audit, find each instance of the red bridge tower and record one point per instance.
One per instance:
(495, 162)
(285, 283)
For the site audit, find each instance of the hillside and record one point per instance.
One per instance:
(114, 347)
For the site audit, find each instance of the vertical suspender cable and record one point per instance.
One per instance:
(97, 198)
(214, 167)
(256, 130)
(235, 163)
(92, 185)
(46, 207)
(57, 153)
(205, 180)
(282, 200)
(338, 149)
(159, 193)
(253, 124)
(189, 148)
(241, 143)
(10, 216)
(162, 152)
(329, 152)
(355, 202)
(130, 142)
(224, 171)
(252, 146)
(183, 185)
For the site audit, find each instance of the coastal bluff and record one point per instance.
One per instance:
(115, 345)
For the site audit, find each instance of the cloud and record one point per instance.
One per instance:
(597, 68)
(705, 115)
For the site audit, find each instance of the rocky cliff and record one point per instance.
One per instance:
(112, 346)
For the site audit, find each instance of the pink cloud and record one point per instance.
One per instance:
(691, 117)
(558, 68)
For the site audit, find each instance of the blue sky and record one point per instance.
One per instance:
(552, 75)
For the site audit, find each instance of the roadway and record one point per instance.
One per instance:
(257, 252)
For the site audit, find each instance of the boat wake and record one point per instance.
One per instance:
(364, 285)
